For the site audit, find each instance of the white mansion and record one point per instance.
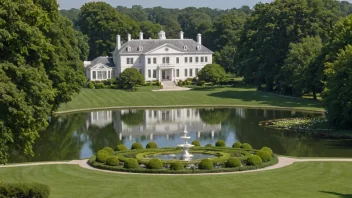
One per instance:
(157, 59)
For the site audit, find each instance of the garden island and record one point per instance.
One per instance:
(107, 100)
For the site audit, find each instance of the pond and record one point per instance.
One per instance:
(79, 135)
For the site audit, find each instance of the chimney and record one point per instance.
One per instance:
(118, 42)
(129, 37)
(141, 36)
(199, 39)
(181, 35)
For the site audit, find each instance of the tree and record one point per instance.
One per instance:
(213, 73)
(130, 78)
(150, 29)
(193, 21)
(214, 116)
(136, 13)
(101, 23)
(338, 94)
(133, 118)
(299, 73)
(167, 18)
(226, 58)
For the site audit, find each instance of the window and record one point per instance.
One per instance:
(149, 61)
(191, 72)
(154, 73)
(166, 59)
(140, 71)
(94, 75)
(129, 60)
(154, 60)
(197, 70)
(140, 60)
(149, 73)
(140, 48)
(199, 47)
(128, 48)
(206, 59)
(186, 59)
(185, 47)
(186, 72)
(202, 59)
(190, 59)
(177, 73)
(197, 59)
(100, 75)
(177, 60)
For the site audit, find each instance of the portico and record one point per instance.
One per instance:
(166, 73)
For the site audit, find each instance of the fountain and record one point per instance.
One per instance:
(186, 156)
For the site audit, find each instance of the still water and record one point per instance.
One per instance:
(79, 135)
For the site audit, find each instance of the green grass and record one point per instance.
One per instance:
(311, 179)
(103, 98)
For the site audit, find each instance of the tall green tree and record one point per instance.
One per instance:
(101, 23)
(338, 94)
(136, 13)
(130, 78)
(150, 29)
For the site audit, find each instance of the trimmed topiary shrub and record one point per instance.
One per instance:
(136, 145)
(233, 162)
(237, 145)
(27, 190)
(208, 145)
(196, 143)
(264, 155)
(246, 146)
(121, 147)
(102, 156)
(112, 161)
(151, 145)
(155, 164)
(254, 160)
(206, 164)
(176, 166)
(131, 164)
(90, 85)
(267, 149)
(109, 150)
(220, 143)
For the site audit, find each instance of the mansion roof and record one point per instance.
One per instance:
(151, 44)
(102, 60)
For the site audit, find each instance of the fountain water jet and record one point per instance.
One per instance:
(186, 156)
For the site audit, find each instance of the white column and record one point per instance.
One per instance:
(172, 74)
(91, 75)
(159, 74)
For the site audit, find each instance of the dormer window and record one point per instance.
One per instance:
(140, 48)
(128, 49)
(199, 47)
(185, 47)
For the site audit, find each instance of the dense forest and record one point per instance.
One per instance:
(292, 47)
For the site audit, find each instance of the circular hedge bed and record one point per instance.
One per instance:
(224, 159)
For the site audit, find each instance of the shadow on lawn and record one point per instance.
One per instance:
(338, 194)
(265, 98)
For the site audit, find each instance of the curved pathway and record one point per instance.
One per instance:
(283, 162)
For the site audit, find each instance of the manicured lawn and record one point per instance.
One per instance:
(100, 98)
(311, 179)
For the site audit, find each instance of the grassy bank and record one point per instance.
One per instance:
(103, 98)
(310, 179)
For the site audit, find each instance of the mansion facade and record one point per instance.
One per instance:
(157, 59)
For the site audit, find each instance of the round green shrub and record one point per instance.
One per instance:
(254, 160)
(151, 145)
(112, 161)
(121, 147)
(155, 164)
(267, 149)
(176, 166)
(206, 164)
(264, 155)
(233, 162)
(109, 150)
(208, 145)
(237, 145)
(196, 143)
(220, 143)
(102, 156)
(90, 85)
(131, 164)
(136, 145)
(246, 146)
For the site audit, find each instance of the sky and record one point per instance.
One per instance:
(221, 4)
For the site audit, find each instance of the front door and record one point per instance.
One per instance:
(163, 75)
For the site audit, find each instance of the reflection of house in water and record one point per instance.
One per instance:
(99, 118)
(165, 122)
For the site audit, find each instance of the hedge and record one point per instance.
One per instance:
(102, 156)
(254, 160)
(246, 146)
(206, 164)
(155, 164)
(136, 145)
(208, 145)
(177, 165)
(196, 143)
(121, 147)
(25, 190)
(237, 145)
(112, 161)
(233, 162)
(267, 149)
(220, 143)
(131, 164)
(151, 145)
(264, 155)
(109, 150)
